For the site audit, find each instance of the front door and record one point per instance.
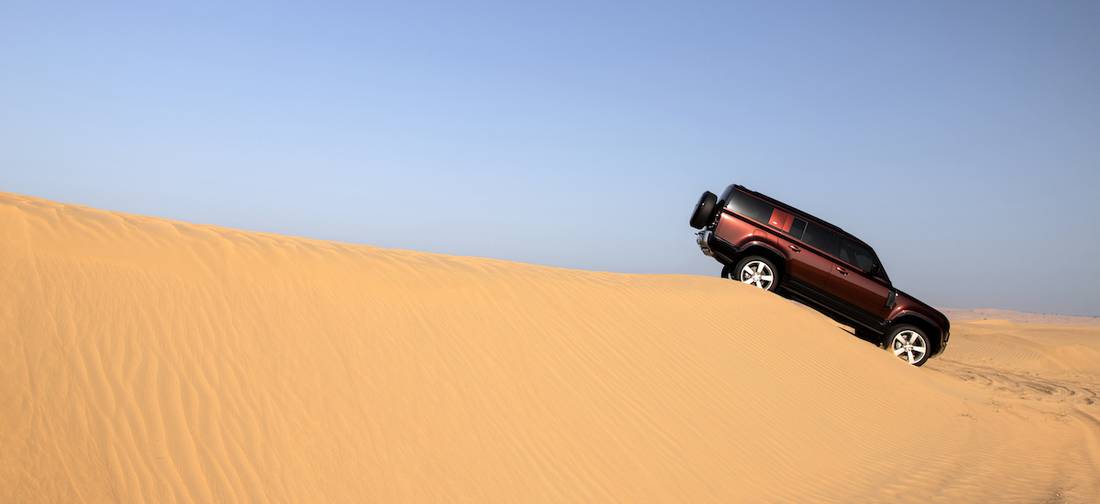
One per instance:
(864, 294)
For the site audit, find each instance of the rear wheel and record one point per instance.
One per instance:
(910, 344)
(704, 210)
(757, 271)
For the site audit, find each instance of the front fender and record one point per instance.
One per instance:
(911, 313)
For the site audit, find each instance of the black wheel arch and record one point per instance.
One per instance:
(759, 249)
(930, 330)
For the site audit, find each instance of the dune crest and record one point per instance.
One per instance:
(152, 360)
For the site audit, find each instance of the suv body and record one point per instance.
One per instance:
(818, 263)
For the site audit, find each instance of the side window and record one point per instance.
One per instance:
(854, 253)
(797, 228)
(750, 207)
(845, 252)
(780, 220)
(822, 238)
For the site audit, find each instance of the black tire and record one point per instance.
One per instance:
(704, 210)
(736, 272)
(894, 344)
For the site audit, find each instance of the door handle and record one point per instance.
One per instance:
(795, 248)
(842, 271)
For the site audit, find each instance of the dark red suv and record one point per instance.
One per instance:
(771, 245)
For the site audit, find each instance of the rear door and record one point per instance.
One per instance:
(810, 266)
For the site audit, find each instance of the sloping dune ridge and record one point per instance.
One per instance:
(149, 360)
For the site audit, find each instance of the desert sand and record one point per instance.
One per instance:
(143, 359)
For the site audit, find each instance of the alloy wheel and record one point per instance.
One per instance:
(909, 346)
(757, 273)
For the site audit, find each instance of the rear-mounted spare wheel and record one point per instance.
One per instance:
(704, 210)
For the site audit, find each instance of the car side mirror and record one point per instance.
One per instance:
(876, 271)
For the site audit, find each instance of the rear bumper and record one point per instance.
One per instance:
(703, 239)
(713, 246)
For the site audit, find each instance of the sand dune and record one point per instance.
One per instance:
(152, 360)
(1019, 317)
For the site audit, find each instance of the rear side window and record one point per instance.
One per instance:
(780, 220)
(750, 207)
(822, 238)
(854, 253)
(797, 228)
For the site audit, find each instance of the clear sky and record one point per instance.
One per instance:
(961, 139)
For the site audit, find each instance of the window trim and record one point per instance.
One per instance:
(796, 214)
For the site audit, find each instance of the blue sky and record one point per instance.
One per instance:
(961, 139)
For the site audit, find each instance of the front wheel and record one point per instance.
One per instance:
(910, 344)
(756, 271)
